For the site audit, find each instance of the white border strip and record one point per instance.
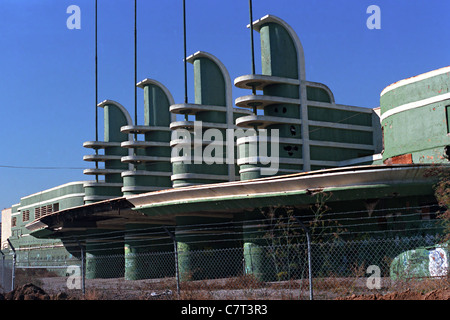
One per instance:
(37, 204)
(41, 193)
(374, 157)
(415, 104)
(420, 77)
(343, 145)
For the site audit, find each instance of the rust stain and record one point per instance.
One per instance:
(402, 159)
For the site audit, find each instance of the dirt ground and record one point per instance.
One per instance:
(439, 294)
(30, 291)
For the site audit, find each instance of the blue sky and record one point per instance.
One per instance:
(47, 80)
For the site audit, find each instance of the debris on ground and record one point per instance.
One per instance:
(438, 294)
(30, 291)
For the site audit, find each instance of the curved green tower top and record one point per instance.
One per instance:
(313, 131)
(115, 116)
(282, 73)
(151, 157)
(415, 119)
(199, 153)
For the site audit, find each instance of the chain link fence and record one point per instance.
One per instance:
(322, 270)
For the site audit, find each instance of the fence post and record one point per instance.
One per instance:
(83, 268)
(13, 271)
(175, 248)
(3, 269)
(308, 241)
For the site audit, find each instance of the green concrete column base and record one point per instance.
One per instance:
(104, 266)
(206, 254)
(186, 263)
(213, 263)
(145, 256)
(149, 265)
(258, 263)
(99, 191)
(257, 259)
(104, 259)
(249, 172)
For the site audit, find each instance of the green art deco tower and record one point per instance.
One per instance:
(313, 131)
(150, 156)
(131, 166)
(151, 171)
(295, 122)
(203, 154)
(200, 154)
(109, 165)
(115, 117)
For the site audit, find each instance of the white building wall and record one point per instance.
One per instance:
(6, 227)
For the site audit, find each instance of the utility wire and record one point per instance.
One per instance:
(135, 62)
(96, 87)
(251, 227)
(96, 77)
(41, 168)
(271, 238)
(184, 58)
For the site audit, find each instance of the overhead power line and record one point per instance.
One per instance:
(40, 167)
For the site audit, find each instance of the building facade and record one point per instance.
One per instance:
(415, 119)
(145, 177)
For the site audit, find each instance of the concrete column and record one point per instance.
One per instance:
(104, 254)
(148, 253)
(257, 261)
(206, 253)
